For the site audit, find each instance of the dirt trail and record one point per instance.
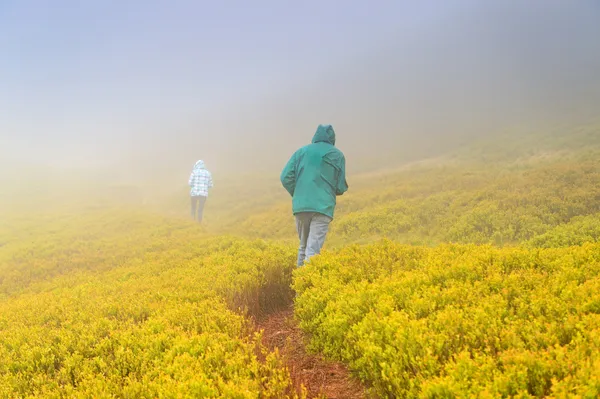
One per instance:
(321, 378)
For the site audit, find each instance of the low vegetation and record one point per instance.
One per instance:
(473, 275)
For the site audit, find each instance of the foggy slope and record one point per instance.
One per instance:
(473, 71)
(444, 74)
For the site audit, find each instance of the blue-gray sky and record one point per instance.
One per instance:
(244, 82)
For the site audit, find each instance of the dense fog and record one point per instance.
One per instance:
(140, 91)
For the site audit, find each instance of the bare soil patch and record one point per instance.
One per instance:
(321, 378)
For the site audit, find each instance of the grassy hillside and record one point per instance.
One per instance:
(137, 306)
(458, 320)
(453, 204)
(502, 191)
(485, 284)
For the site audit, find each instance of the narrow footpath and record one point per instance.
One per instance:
(321, 378)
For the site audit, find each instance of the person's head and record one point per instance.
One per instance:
(199, 164)
(324, 134)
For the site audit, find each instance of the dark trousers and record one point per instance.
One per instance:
(198, 202)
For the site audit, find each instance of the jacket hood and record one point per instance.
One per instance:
(199, 165)
(324, 134)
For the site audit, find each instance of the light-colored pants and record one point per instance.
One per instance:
(312, 228)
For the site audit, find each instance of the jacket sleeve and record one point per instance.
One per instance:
(191, 179)
(342, 184)
(210, 180)
(288, 175)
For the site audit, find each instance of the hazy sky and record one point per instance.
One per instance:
(163, 83)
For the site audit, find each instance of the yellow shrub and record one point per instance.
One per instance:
(458, 321)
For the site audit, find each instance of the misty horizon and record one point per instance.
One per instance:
(150, 88)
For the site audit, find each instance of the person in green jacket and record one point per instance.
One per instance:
(314, 176)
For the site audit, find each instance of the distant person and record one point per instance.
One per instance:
(200, 182)
(314, 176)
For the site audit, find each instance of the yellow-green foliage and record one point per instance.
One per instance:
(500, 205)
(579, 230)
(458, 320)
(110, 292)
(141, 310)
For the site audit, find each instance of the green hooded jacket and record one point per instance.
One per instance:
(316, 174)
